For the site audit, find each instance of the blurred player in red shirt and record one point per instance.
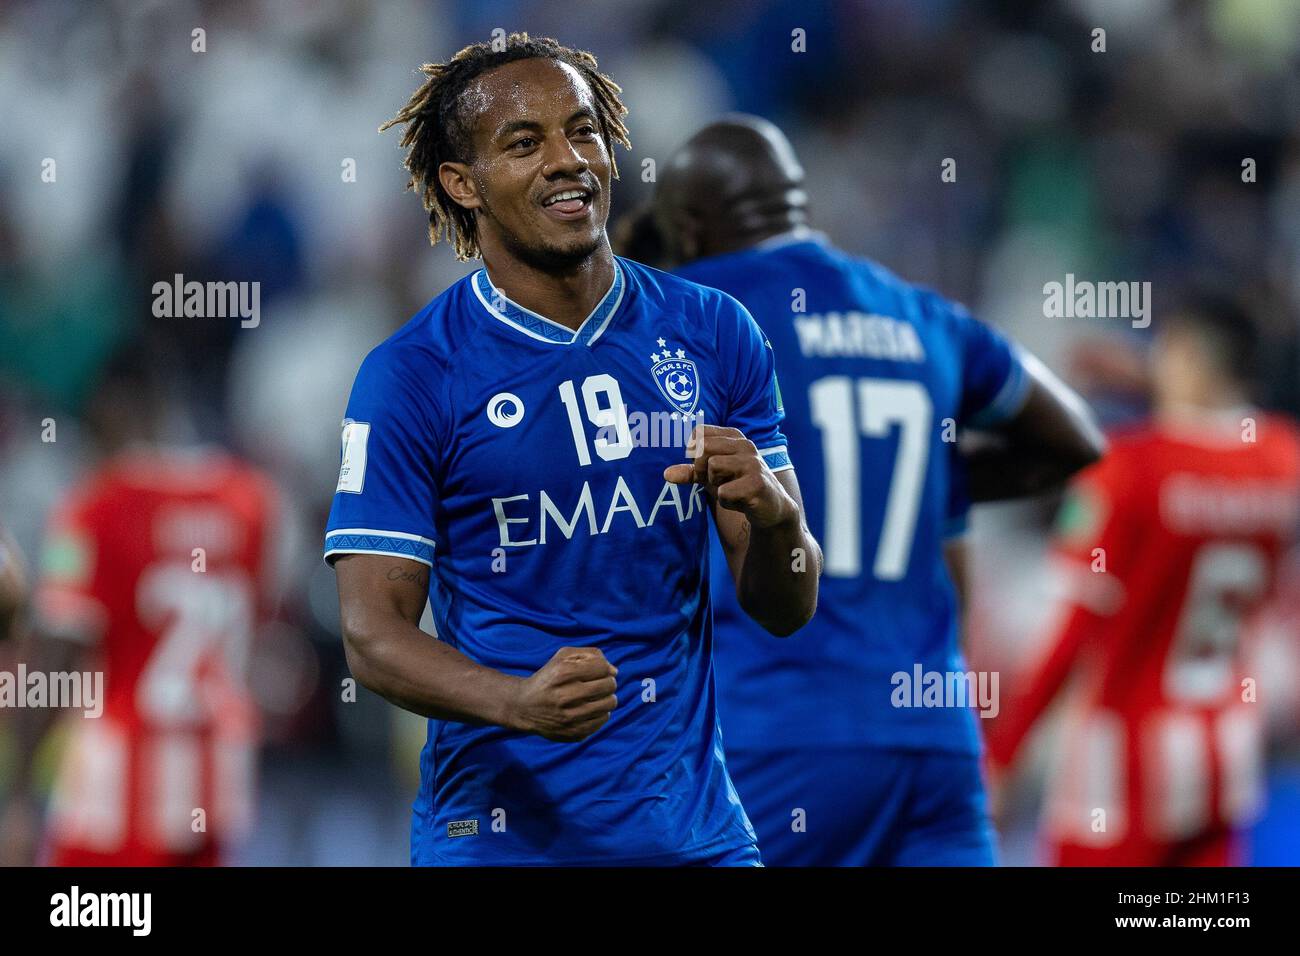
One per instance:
(154, 572)
(1167, 546)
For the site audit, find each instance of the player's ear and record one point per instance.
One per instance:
(459, 184)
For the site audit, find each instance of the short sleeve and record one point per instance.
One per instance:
(386, 493)
(994, 383)
(68, 602)
(754, 398)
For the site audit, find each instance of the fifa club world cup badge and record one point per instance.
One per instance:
(676, 377)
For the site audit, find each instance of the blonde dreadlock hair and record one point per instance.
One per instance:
(438, 131)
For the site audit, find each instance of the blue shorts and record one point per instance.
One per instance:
(865, 807)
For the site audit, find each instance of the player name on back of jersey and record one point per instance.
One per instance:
(1196, 504)
(858, 335)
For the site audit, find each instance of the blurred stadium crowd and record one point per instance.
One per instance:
(235, 164)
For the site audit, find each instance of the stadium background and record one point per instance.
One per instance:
(229, 165)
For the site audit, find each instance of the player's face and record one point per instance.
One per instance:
(537, 137)
(1179, 365)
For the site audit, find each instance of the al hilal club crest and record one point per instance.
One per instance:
(676, 377)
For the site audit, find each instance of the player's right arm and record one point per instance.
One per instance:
(381, 540)
(381, 599)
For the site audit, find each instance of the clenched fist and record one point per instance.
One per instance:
(733, 473)
(569, 698)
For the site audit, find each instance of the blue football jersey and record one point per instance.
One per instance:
(877, 376)
(523, 462)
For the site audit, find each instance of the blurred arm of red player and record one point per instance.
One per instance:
(1111, 365)
(1092, 529)
(1052, 437)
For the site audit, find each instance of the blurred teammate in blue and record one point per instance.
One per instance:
(496, 460)
(856, 743)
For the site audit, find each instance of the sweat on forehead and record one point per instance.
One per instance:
(524, 89)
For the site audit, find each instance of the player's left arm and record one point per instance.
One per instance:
(1032, 432)
(1052, 436)
(774, 559)
(746, 471)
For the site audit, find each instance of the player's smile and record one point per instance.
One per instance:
(569, 203)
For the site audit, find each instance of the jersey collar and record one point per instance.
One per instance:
(539, 327)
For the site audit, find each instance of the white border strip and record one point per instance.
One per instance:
(410, 557)
(404, 535)
(622, 288)
(510, 322)
(620, 282)
(776, 450)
